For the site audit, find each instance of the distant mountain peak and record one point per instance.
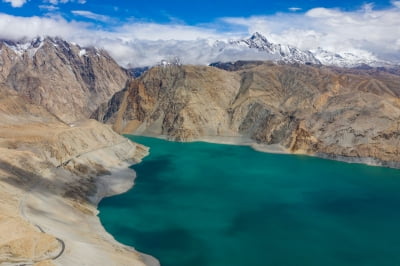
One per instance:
(257, 47)
(258, 41)
(258, 36)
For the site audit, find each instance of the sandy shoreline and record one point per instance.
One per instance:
(120, 181)
(279, 149)
(231, 140)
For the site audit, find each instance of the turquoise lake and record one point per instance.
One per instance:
(202, 204)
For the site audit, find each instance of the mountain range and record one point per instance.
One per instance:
(205, 52)
(267, 50)
(256, 47)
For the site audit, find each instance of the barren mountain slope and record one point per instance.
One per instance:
(346, 114)
(68, 80)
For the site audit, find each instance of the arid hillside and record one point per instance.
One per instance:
(339, 113)
(52, 175)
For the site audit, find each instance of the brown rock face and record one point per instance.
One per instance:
(69, 81)
(333, 112)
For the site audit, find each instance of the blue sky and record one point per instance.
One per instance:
(128, 28)
(161, 11)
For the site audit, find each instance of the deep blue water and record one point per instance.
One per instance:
(202, 204)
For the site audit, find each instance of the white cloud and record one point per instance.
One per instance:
(16, 3)
(49, 7)
(366, 30)
(56, 2)
(294, 9)
(321, 12)
(398, 45)
(30, 27)
(91, 15)
(396, 4)
(153, 31)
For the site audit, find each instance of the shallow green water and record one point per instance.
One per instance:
(201, 204)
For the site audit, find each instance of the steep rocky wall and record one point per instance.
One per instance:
(306, 109)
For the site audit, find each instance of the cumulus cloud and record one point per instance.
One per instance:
(366, 30)
(30, 27)
(16, 3)
(91, 15)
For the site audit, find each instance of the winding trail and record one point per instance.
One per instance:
(22, 211)
(62, 243)
(66, 161)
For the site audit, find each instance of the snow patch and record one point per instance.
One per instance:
(30, 47)
(18, 48)
(82, 52)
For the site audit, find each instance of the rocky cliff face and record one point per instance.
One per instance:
(66, 79)
(306, 109)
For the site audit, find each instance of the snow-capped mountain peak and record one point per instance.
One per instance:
(270, 51)
(258, 45)
(258, 41)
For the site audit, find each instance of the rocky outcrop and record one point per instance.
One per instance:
(339, 113)
(68, 80)
(52, 176)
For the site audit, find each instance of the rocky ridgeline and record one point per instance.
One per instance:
(348, 114)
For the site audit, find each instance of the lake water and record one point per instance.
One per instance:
(202, 204)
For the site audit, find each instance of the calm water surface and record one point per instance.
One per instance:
(201, 204)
